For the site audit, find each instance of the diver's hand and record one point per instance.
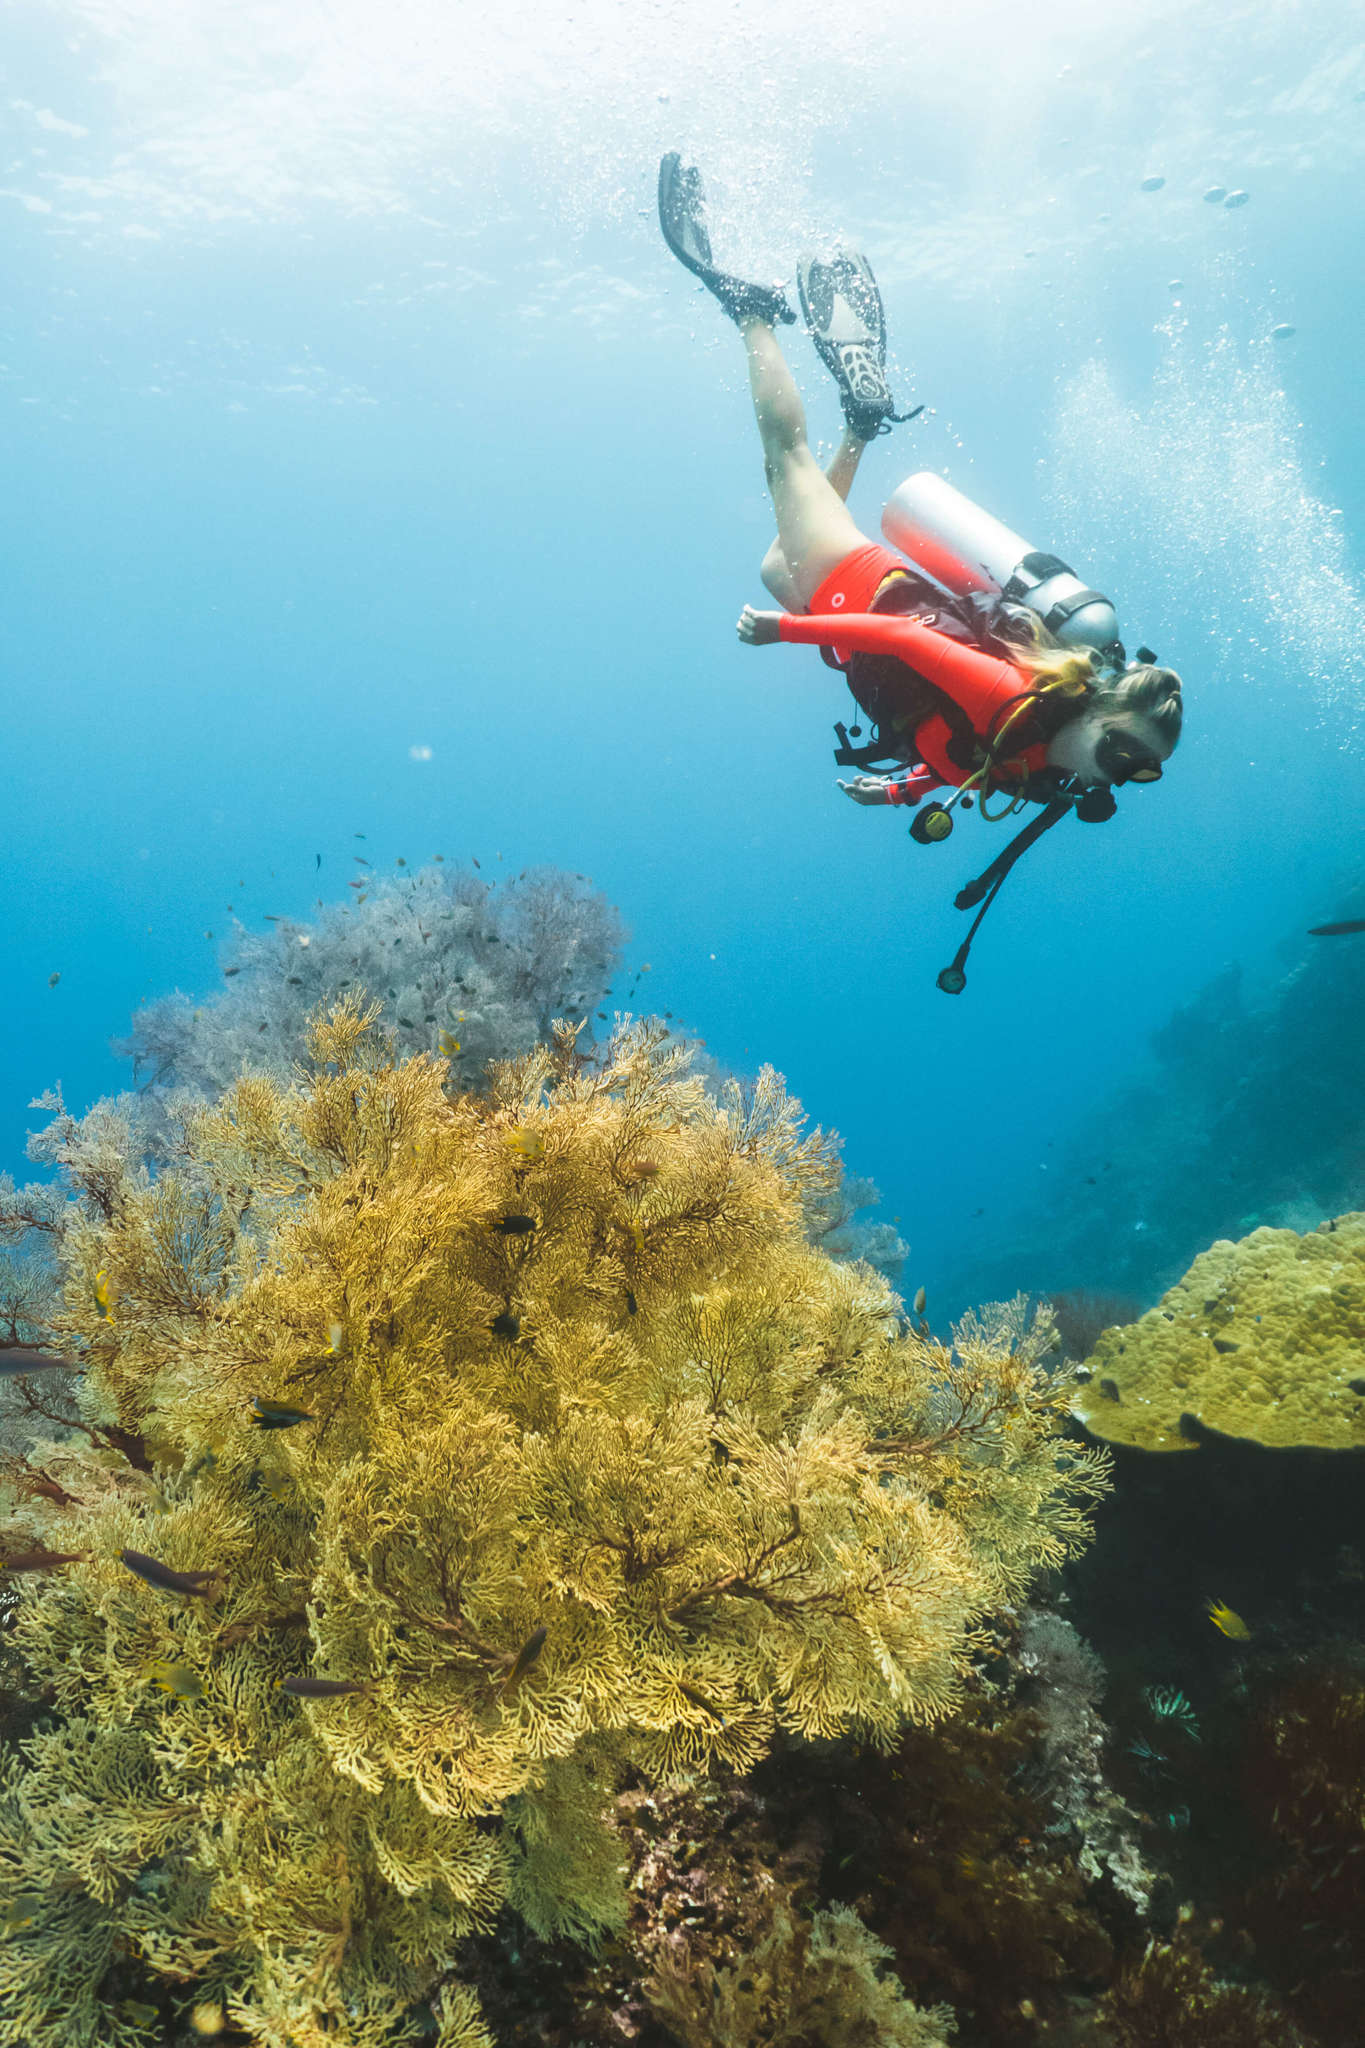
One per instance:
(867, 789)
(758, 629)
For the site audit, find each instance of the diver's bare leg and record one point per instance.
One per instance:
(814, 528)
(840, 471)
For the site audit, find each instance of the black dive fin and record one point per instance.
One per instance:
(682, 216)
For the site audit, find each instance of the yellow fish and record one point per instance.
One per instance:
(137, 2013)
(447, 1044)
(178, 1680)
(278, 1484)
(336, 1337)
(1227, 1621)
(21, 1912)
(526, 1144)
(104, 1294)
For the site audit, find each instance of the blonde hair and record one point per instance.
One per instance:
(1033, 649)
(1152, 693)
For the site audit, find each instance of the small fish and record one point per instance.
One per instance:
(528, 1145)
(317, 863)
(360, 835)
(1167, 1704)
(274, 1415)
(525, 1658)
(41, 1560)
(515, 1226)
(476, 863)
(355, 883)
(104, 1294)
(1332, 931)
(447, 1044)
(228, 972)
(506, 1325)
(18, 1359)
(21, 1911)
(336, 1337)
(1215, 195)
(1152, 184)
(294, 980)
(645, 1169)
(1238, 198)
(632, 1305)
(279, 1485)
(400, 862)
(161, 1576)
(699, 1699)
(1227, 1621)
(53, 979)
(305, 1688)
(179, 1680)
(919, 1301)
(361, 858)
(136, 2013)
(637, 1233)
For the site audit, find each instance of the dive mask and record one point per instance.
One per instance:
(1120, 757)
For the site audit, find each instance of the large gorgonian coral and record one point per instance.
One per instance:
(603, 1464)
(1261, 1339)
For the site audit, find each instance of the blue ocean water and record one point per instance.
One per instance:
(372, 468)
(376, 483)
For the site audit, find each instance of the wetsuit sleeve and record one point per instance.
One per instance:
(979, 682)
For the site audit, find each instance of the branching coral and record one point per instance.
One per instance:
(439, 950)
(1068, 1683)
(1170, 1998)
(807, 1984)
(1261, 1339)
(598, 1461)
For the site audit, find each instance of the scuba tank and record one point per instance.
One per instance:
(971, 553)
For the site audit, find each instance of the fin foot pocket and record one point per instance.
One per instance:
(682, 217)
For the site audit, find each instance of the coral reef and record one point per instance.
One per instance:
(530, 1424)
(1261, 1339)
(1068, 1684)
(1303, 1786)
(1170, 1998)
(441, 950)
(1248, 1113)
(815, 1983)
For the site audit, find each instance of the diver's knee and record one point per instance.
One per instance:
(776, 574)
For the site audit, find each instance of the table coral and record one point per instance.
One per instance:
(1262, 1339)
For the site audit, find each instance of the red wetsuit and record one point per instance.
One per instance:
(980, 684)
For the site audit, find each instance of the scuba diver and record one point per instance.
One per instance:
(981, 664)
